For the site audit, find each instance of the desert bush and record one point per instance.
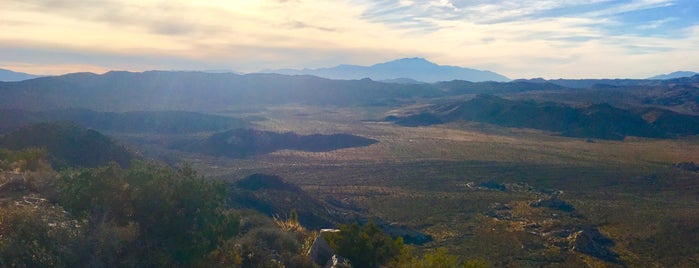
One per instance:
(37, 235)
(364, 246)
(179, 217)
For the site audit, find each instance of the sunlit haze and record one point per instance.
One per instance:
(519, 39)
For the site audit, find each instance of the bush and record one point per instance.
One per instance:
(179, 217)
(365, 246)
(37, 236)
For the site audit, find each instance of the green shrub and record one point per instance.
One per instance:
(365, 246)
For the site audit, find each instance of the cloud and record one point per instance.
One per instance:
(557, 38)
(301, 25)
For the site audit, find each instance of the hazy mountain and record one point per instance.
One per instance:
(676, 77)
(590, 83)
(12, 76)
(196, 91)
(418, 69)
(406, 81)
(678, 74)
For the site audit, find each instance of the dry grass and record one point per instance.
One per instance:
(416, 177)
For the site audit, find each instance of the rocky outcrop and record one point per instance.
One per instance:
(320, 251)
(688, 166)
(338, 262)
(588, 240)
(16, 184)
(553, 203)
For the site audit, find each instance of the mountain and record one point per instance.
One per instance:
(405, 81)
(11, 76)
(678, 74)
(207, 92)
(591, 83)
(601, 121)
(674, 78)
(418, 69)
(196, 91)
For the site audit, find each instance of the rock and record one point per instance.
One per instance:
(553, 203)
(688, 166)
(590, 241)
(320, 252)
(499, 206)
(493, 185)
(338, 262)
(17, 184)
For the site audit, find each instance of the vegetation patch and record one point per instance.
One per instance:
(155, 122)
(240, 143)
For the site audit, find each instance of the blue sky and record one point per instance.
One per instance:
(520, 39)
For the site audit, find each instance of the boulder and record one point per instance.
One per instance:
(338, 262)
(17, 184)
(553, 203)
(590, 241)
(320, 251)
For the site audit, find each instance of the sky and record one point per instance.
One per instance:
(518, 39)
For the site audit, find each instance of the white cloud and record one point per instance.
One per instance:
(516, 38)
(444, 3)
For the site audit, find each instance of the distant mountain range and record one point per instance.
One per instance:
(12, 76)
(197, 91)
(415, 69)
(678, 74)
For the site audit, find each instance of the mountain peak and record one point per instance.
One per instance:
(412, 60)
(416, 68)
(407, 62)
(673, 75)
(12, 76)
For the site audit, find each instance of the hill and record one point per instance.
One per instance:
(673, 75)
(273, 196)
(681, 77)
(418, 69)
(68, 145)
(240, 143)
(11, 76)
(459, 87)
(157, 122)
(601, 121)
